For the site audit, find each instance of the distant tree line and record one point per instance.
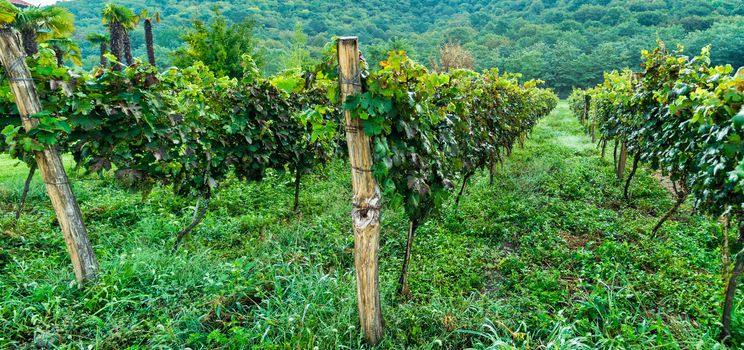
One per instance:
(567, 43)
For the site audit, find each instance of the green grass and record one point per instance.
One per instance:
(550, 256)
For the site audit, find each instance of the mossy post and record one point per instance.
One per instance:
(366, 202)
(48, 160)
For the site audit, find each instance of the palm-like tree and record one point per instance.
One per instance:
(128, 27)
(65, 48)
(7, 13)
(39, 24)
(147, 18)
(119, 18)
(100, 40)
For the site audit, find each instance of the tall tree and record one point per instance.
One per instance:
(118, 18)
(218, 45)
(65, 49)
(41, 24)
(101, 41)
(7, 13)
(129, 26)
(298, 55)
(38, 24)
(147, 18)
(379, 52)
(452, 56)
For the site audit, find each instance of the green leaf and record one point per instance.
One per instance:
(739, 119)
(373, 126)
(10, 131)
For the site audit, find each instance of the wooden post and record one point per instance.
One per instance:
(594, 125)
(585, 115)
(621, 161)
(366, 210)
(49, 162)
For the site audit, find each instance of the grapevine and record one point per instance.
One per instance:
(684, 117)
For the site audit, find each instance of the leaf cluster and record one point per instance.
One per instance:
(683, 116)
(188, 128)
(430, 129)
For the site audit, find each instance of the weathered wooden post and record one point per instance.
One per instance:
(594, 125)
(585, 114)
(366, 210)
(49, 162)
(622, 160)
(730, 292)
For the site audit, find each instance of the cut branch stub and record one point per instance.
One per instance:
(48, 160)
(366, 202)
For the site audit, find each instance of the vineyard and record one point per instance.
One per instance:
(685, 118)
(350, 204)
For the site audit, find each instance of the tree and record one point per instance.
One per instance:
(298, 54)
(725, 39)
(219, 46)
(118, 18)
(41, 24)
(100, 40)
(590, 12)
(380, 52)
(452, 56)
(564, 68)
(531, 61)
(7, 13)
(129, 25)
(65, 49)
(147, 18)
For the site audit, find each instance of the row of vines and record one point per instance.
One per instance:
(685, 118)
(189, 129)
(431, 131)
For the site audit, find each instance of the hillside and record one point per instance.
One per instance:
(564, 42)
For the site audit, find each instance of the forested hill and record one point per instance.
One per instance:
(565, 42)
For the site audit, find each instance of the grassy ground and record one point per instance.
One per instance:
(548, 257)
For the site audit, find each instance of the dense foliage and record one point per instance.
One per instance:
(683, 116)
(16, 141)
(547, 255)
(182, 127)
(190, 128)
(428, 129)
(215, 122)
(564, 42)
(218, 45)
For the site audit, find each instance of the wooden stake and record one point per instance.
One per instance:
(725, 250)
(298, 178)
(366, 211)
(730, 294)
(491, 170)
(621, 161)
(594, 125)
(403, 289)
(49, 162)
